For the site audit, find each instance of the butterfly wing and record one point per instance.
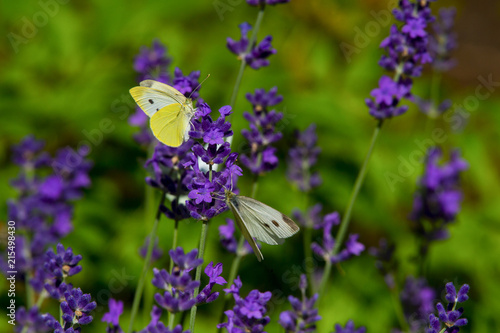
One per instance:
(265, 223)
(243, 228)
(170, 124)
(152, 96)
(171, 91)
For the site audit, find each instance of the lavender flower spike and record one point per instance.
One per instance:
(261, 157)
(257, 57)
(249, 313)
(450, 316)
(349, 328)
(406, 52)
(304, 316)
(302, 157)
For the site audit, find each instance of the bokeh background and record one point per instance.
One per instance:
(72, 73)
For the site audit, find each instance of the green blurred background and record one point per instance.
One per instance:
(76, 70)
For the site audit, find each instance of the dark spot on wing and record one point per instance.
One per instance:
(290, 222)
(151, 101)
(275, 223)
(157, 109)
(267, 225)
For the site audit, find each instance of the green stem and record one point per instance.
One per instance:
(399, 310)
(307, 238)
(344, 225)
(243, 64)
(171, 318)
(201, 252)
(357, 186)
(174, 241)
(251, 43)
(147, 261)
(171, 266)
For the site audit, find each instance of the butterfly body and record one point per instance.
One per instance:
(256, 219)
(169, 110)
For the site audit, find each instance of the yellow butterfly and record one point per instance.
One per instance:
(169, 110)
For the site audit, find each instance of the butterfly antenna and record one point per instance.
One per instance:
(198, 87)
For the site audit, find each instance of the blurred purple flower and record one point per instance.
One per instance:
(303, 317)
(261, 157)
(444, 40)
(32, 321)
(43, 209)
(229, 241)
(430, 108)
(417, 299)
(385, 261)
(349, 328)
(152, 63)
(258, 54)
(115, 311)
(302, 157)
(326, 250)
(157, 252)
(438, 197)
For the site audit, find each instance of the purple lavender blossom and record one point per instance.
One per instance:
(450, 316)
(62, 264)
(302, 157)
(439, 196)
(115, 311)
(407, 50)
(262, 134)
(169, 175)
(229, 241)
(349, 328)
(77, 307)
(430, 108)
(214, 274)
(179, 286)
(58, 291)
(304, 316)
(385, 261)
(262, 3)
(444, 40)
(152, 327)
(28, 154)
(43, 209)
(417, 299)
(186, 84)
(258, 54)
(32, 321)
(249, 313)
(207, 187)
(310, 219)
(326, 250)
(152, 63)
(157, 252)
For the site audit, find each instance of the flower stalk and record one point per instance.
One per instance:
(145, 267)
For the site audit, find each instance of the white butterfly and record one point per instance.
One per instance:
(258, 220)
(170, 111)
